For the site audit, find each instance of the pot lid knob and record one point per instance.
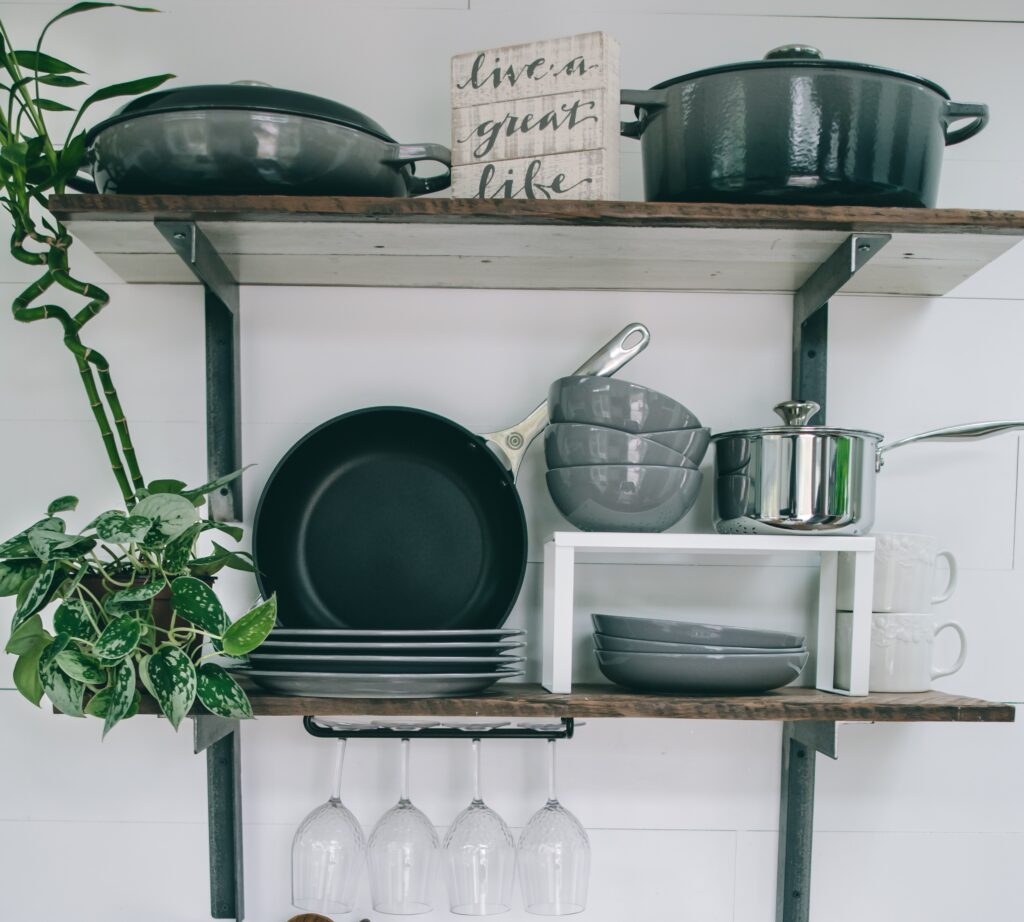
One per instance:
(788, 52)
(796, 412)
(250, 83)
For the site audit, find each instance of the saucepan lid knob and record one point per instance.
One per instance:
(797, 412)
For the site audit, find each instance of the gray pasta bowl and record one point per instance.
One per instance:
(624, 497)
(575, 444)
(675, 631)
(617, 404)
(610, 644)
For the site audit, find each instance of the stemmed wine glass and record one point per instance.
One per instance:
(328, 852)
(480, 854)
(403, 853)
(554, 857)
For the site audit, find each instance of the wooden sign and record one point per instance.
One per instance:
(537, 121)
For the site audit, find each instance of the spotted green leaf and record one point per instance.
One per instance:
(249, 631)
(52, 545)
(198, 603)
(65, 693)
(62, 504)
(99, 704)
(165, 486)
(118, 528)
(24, 636)
(220, 693)
(18, 546)
(73, 618)
(179, 549)
(172, 678)
(26, 669)
(171, 514)
(38, 593)
(125, 600)
(15, 572)
(144, 674)
(235, 531)
(121, 695)
(118, 640)
(219, 559)
(217, 484)
(81, 667)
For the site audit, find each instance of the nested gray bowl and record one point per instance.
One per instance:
(610, 644)
(575, 444)
(617, 404)
(675, 631)
(624, 497)
(693, 443)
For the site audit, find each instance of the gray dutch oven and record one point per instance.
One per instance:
(796, 128)
(798, 478)
(250, 139)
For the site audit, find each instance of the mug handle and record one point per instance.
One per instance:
(939, 673)
(947, 593)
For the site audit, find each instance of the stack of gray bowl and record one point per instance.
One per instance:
(681, 657)
(621, 457)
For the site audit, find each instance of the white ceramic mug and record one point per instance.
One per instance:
(904, 575)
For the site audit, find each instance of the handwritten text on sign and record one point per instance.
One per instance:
(538, 120)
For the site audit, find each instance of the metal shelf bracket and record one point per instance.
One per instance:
(802, 740)
(223, 400)
(810, 315)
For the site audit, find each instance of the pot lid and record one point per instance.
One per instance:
(801, 56)
(796, 414)
(243, 95)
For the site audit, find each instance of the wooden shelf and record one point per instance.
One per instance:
(524, 700)
(466, 243)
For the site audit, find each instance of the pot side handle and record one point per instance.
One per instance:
(950, 434)
(648, 100)
(415, 153)
(81, 182)
(510, 444)
(958, 110)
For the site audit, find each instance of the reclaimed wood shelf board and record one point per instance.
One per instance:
(527, 700)
(531, 244)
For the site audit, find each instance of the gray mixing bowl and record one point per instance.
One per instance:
(617, 404)
(574, 444)
(624, 497)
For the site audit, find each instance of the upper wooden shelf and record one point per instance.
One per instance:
(468, 243)
(523, 700)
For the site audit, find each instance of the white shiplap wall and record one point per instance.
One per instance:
(914, 822)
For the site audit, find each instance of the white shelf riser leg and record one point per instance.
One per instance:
(826, 633)
(559, 594)
(860, 640)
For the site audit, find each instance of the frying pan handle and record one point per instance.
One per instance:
(511, 444)
(951, 434)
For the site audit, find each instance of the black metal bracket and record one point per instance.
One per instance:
(563, 731)
(810, 315)
(802, 740)
(223, 387)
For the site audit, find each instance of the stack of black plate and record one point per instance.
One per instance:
(345, 663)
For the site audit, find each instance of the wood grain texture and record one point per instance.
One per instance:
(516, 211)
(610, 701)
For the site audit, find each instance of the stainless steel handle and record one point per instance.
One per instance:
(510, 444)
(950, 434)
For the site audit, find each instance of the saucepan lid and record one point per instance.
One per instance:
(796, 414)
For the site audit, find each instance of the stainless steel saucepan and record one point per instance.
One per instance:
(802, 478)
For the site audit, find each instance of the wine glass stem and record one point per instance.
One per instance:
(339, 762)
(477, 796)
(551, 772)
(405, 770)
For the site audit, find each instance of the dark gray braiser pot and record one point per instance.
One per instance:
(797, 129)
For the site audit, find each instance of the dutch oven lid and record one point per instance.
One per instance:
(801, 56)
(243, 95)
(795, 414)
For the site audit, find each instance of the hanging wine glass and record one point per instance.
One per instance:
(480, 854)
(554, 857)
(328, 852)
(403, 854)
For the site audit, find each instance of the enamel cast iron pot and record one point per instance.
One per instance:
(248, 138)
(795, 128)
(798, 478)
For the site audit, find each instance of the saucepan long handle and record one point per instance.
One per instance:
(613, 355)
(950, 434)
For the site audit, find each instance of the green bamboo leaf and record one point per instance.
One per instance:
(26, 670)
(165, 486)
(123, 601)
(62, 504)
(171, 514)
(220, 693)
(215, 484)
(51, 105)
(130, 88)
(87, 5)
(65, 693)
(122, 694)
(179, 549)
(195, 601)
(173, 680)
(43, 63)
(249, 631)
(81, 667)
(70, 159)
(38, 593)
(61, 80)
(118, 640)
(14, 154)
(233, 531)
(15, 572)
(25, 636)
(72, 618)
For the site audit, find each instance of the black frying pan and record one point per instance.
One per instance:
(396, 518)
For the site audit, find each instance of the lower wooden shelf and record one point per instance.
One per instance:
(528, 700)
